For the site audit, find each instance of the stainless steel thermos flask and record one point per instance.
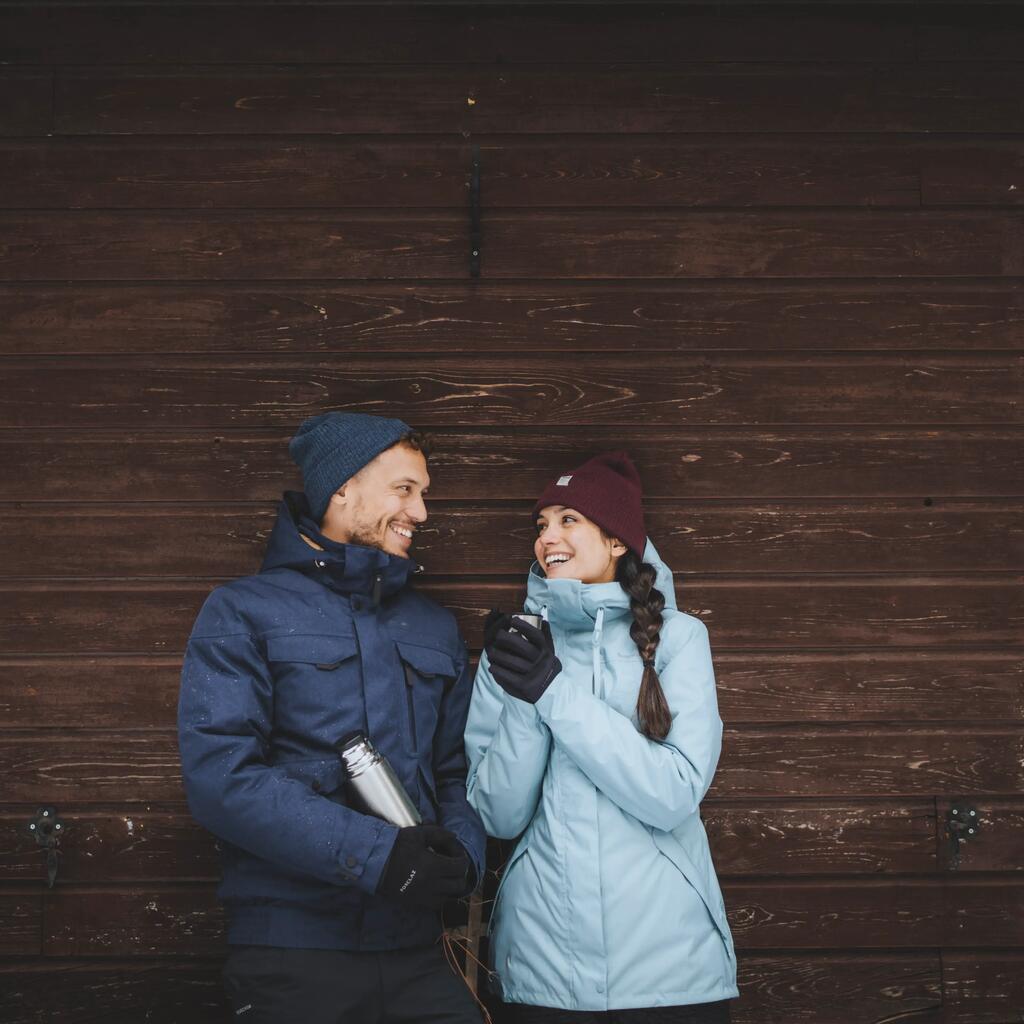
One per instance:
(373, 781)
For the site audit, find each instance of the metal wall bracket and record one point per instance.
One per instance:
(48, 828)
(962, 823)
(474, 214)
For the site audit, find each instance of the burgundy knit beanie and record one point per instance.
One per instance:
(606, 490)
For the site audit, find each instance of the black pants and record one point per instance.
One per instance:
(269, 985)
(698, 1013)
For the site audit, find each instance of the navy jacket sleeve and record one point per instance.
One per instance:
(224, 720)
(450, 769)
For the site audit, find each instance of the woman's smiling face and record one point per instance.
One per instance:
(570, 546)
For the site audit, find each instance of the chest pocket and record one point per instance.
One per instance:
(429, 673)
(317, 686)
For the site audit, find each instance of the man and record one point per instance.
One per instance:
(334, 915)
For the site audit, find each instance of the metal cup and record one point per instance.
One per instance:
(533, 620)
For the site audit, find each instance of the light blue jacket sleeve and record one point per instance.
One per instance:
(508, 747)
(660, 783)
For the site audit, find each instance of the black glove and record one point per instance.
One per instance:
(494, 622)
(427, 866)
(524, 663)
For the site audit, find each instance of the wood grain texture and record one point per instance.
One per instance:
(126, 991)
(940, 612)
(136, 172)
(498, 463)
(822, 762)
(21, 913)
(181, 540)
(222, 245)
(26, 102)
(647, 317)
(754, 688)
(877, 914)
(414, 34)
(692, 171)
(830, 96)
(730, 389)
(983, 988)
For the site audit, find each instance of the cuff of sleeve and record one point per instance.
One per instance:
(363, 853)
(547, 707)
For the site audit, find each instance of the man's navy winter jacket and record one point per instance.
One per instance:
(280, 666)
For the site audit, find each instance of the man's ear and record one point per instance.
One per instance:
(339, 495)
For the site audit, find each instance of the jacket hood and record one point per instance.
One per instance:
(346, 568)
(575, 604)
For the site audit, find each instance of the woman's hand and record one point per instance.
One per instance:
(522, 657)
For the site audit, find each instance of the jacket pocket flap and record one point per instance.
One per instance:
(428, 661)
(327, 651)
(322, 775)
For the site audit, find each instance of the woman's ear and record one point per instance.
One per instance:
(618, 548)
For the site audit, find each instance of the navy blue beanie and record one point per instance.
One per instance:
(332, 447)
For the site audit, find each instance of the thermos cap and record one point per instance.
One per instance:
(350, 739)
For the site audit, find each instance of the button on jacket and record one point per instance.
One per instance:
(610, 899)
(278, 668)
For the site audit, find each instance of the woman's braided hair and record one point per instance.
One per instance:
(646, 603)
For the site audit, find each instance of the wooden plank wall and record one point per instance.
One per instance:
(774, 250)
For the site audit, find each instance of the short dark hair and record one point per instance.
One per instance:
(419, 440)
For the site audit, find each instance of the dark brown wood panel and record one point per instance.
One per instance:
(827, 96)
(485, 463)
(436, 391)
(830, 762)
(956, 31)
(227, 541)
(953, 913)
(753, 688)
(982, 988)
(869, 914)
(130, 844)
(26, 102)
(478, 318)
(151, 920)
(119, 992)
(136, 844)
(422, 35)
(999, 843)
(985, 173)
(916, 686)
(779, 838)
(136, 172)
(139, 172)
(21, 913)
(220, 245)
(840, 988)
(875, 612)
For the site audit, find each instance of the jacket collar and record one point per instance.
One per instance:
(345, 568)
(575, 605)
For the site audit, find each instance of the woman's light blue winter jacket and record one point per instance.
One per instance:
(610, 898)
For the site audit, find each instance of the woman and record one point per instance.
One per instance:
(596, 736)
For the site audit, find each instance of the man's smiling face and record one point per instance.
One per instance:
(383, 504)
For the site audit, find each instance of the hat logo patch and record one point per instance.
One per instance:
(563, 481)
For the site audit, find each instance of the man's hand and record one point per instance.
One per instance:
(523, 662)
(427, 866)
